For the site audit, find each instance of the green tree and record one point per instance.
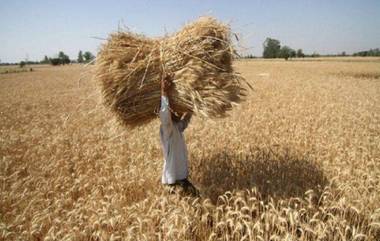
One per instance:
(88, 56)
(286, 52)
(300, 53)
(45, 60)
(293, 53)
(80, 57)
(22, 64)
(64, 59)
(61, 55)
(55, 61)
(271, 48)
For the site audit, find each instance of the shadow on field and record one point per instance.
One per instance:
(278, 174)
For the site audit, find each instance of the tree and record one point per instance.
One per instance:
(55, 61)
(249, 56)
(61, 55)
(286, 52)
(293, 53)
(64, 59)
(22, 64)
(371, 52)
(271, 48)
(88, 56)
(80, 57)
(315, 54)
(300, 53)
(61, 59)
(45, 60)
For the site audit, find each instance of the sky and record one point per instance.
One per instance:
(31, 29)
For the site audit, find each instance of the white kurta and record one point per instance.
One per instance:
(173, 145)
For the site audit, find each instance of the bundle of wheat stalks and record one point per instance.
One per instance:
(198, 58)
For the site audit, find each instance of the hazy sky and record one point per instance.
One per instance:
(31, 29)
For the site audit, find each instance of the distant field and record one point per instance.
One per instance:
(299, 160)
(12, 69)
(330, 59)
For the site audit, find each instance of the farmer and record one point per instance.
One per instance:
(175, 170)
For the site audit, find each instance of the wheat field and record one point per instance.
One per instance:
(299, 160)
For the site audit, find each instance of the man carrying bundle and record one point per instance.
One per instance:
(200, 56)
(175, 170)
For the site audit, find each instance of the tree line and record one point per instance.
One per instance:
(272, 49)
(371, 52)
(63, 59)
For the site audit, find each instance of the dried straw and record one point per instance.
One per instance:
(199, 57)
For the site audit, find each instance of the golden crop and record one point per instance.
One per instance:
(299, 160)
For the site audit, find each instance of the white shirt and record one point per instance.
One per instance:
(173, 145)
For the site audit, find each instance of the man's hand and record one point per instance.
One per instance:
(166, 84)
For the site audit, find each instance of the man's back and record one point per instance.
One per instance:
(175, 171)
(173, 145)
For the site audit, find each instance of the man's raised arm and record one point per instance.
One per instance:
(165, 115)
